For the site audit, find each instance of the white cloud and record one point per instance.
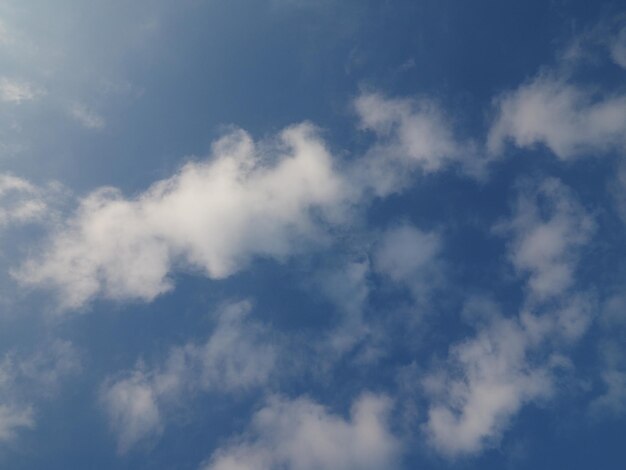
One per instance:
(510, 362)
(216, 215)
(557, 109)
(238, 356)
(410, 257)
(270, 199)
(570, 120)
(485, 382)
(411, 135)
(16, 91)
(302, 435)
(417, 130)
(548, 229)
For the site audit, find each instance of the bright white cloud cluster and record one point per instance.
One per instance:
(568, 119)
(548, 229)
(238, 356)
(302, 435)
(246, 201)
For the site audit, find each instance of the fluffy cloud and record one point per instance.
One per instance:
(548, 229)
(238, 356)
(557, 110)
(487, 380)
(270, 199)
(410, 135)
(414, 131)
(568, 119)
(215, 216)
(302, 435)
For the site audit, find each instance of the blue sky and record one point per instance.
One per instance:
(304, 235)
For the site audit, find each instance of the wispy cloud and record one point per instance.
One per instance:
(610, 402)
(239, 355)
(17, 91)
(21, 201)
(26, 379)
(548, 229)
(411, 258)
(87, 117)
(514, 360)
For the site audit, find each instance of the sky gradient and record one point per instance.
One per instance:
(309, 235)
